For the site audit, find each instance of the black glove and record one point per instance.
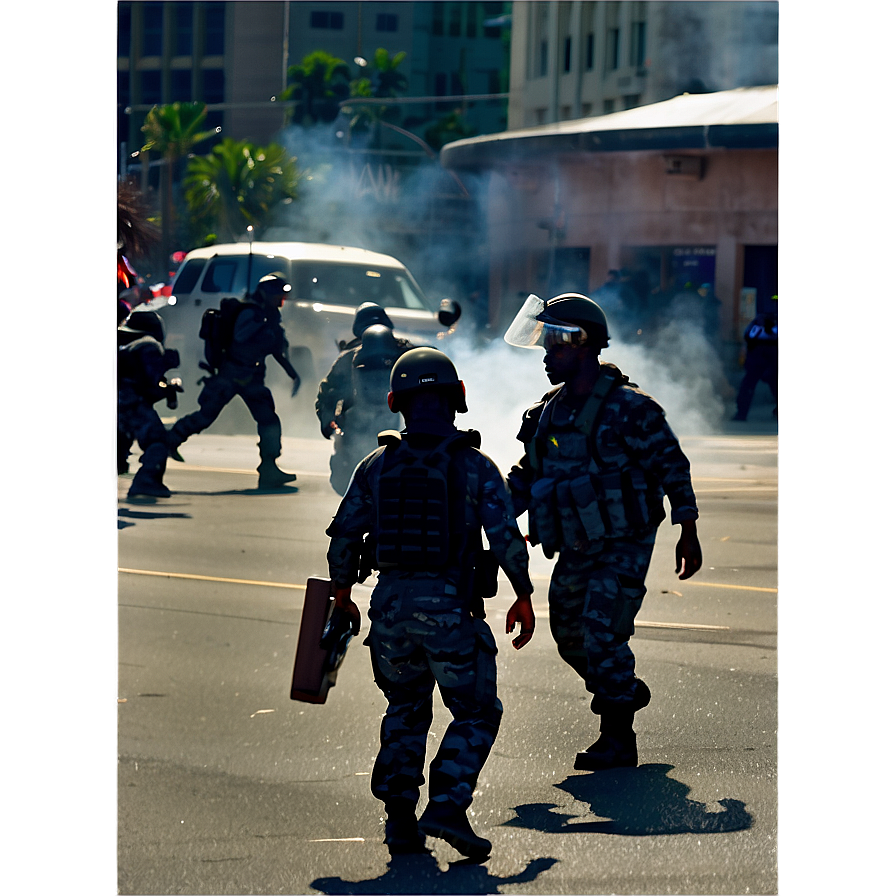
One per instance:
(296, 382)
(326, 430)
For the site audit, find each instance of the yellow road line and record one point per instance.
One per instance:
(200, 469)
(186, 575)
(734, 587)
(544, 578)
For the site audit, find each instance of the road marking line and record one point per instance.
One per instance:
(678, 626)
(186, 575)
(198, 469)
(543, 578)
(735, 587)
(338, 840)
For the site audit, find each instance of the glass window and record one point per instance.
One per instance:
(612, 49)
(589, 52)
(152, 29)
(213, 85)
(454, 15)
(181, 85)
(386, 22)
(332, 20)
(352, 284)
(214, 29)
(183, 29)
(567, 54)
(151, 87)
(639, 37)
(188, 276)
(232, 273)
(124, 29)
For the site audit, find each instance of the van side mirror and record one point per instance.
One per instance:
(449, 312)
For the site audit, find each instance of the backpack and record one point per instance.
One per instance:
(420, 512)
(216, 329)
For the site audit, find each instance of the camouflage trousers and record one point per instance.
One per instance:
(420, 636)
(217, 392)
(138, 420)
(593, 599)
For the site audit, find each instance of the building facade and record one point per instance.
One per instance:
(679, 196)
(577, 59)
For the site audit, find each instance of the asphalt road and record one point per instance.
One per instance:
(225, 785)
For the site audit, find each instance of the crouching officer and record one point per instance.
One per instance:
(257, 333)
(599, 458)
(143, 362)
(415, 510)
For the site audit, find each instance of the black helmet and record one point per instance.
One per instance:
(578, 310)
(272, 287)
(368, 314)
(144, 323)
(378, 348)
(425, 368)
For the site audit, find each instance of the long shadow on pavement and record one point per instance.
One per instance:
(421, 874)
(637, 802)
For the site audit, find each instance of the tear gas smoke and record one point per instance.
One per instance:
(351, 200)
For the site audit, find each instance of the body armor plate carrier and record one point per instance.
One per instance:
(420, 513)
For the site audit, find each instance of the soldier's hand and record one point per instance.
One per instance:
(295, 385)
(521, 612)
(343, 599)
(688, 553)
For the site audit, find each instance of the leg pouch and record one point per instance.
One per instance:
(626, 606)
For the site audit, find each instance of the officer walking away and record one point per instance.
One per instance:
(337, 384)
(143, 362)
(760, 363)
(253, 332)
(415, 510)
(599, 458)
(351, 400)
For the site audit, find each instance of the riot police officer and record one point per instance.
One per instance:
(143, 362)
(351, 400)
(421, 500)
(599, 458)
(257, 333)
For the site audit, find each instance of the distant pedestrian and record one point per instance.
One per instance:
(760, 362)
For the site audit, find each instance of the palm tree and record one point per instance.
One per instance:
(320, 82)
(236, 185)
(173, 131)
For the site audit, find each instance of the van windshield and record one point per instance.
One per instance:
(230, 273)
(352, 284)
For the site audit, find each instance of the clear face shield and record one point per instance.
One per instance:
(533, 328)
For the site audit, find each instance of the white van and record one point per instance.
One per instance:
(328, 284)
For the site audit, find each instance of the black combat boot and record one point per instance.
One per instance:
(271, 476)
(402, 834)
(450, 823)
(617, 746)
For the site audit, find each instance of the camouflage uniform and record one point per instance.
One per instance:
(593, 480)
(422, 633)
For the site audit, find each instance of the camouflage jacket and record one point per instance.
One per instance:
(487, 506)
(630, 458)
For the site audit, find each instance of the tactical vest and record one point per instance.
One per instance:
(577, 497)
(216, 330)
(421, 505)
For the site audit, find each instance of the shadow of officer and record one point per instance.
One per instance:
(420, 873)
(636, 802)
